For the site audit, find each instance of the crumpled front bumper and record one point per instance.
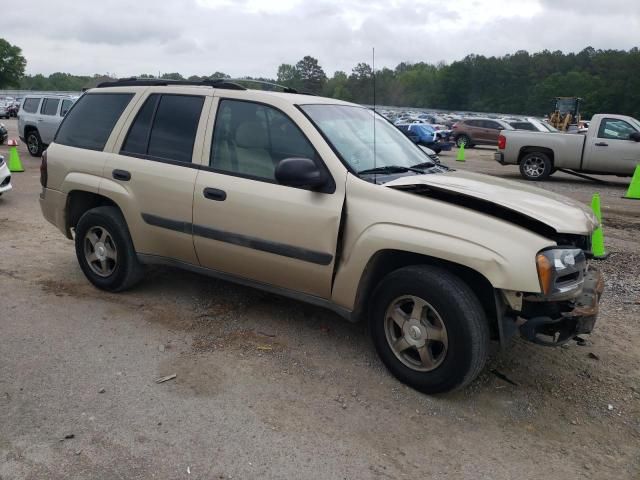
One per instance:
(554, 331)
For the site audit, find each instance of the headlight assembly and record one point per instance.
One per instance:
(561, 271)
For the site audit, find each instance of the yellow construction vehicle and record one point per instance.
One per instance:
(566, 113)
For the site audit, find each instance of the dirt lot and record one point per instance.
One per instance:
(270, 388)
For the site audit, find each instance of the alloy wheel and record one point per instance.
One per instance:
(416, 333)
(100, 251)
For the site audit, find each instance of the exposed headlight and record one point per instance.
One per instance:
(561, 271)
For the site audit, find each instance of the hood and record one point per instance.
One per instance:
(562, 214)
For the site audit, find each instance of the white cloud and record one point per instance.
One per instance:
(252, 37)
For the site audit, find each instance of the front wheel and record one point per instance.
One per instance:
(105, 251)
(536, 166)
(429, 329)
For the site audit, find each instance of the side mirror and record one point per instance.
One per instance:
(300, 172)
(635, 136)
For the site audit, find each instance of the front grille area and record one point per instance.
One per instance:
(6, 181)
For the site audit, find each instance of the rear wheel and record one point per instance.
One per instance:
(105, 251)
(429, 329)
(463, 140)
(34, 144)
(536, 166)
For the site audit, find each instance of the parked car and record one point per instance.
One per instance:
(39, 117)
(4, 133)
(4, 110)
(14, 107)
(5, 176)
(422, 134)
(284, 192)
(532, 124)
(610, 147)
(478, 131)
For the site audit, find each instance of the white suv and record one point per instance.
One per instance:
(39, 118)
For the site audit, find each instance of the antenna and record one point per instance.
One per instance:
(373, 68)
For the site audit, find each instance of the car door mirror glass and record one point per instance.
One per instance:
(299, 172)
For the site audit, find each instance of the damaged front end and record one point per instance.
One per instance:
(566, 307)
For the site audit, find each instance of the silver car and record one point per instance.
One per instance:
(39, 117)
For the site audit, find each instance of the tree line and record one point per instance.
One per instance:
(519, 83)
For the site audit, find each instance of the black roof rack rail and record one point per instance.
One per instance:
(161, 82)
(284, 88)
(226, 83)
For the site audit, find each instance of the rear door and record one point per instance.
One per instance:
(244, 222)
(475, 131)
(48, 119)
(154, 172)
(611, 149)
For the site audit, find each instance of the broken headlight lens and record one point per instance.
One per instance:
(561, 270)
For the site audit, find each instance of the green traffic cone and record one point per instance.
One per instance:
(597, 237)
(634, 187)
(460, 157)
(14, 160)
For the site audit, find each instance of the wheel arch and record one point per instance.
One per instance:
(81, 201)
(386, 261)
(531, 149)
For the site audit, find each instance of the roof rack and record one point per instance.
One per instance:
(226, 83)
(153, 82)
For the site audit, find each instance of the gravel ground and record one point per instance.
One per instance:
(270, 388)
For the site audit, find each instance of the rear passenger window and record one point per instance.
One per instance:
(30, 105)
(49, 106)
(250, 139)
(165, 128)
(89, 124)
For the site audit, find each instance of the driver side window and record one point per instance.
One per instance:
(614, 129)
(250, 139)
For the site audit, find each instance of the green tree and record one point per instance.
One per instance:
(288, 75)
(312, 77)
(172, 76)
(12, 64)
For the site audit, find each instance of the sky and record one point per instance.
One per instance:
(253, 37)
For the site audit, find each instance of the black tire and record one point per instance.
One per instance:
(536, 166)
(458, 309)
(464, 139)
(123, 272)
(34, 144)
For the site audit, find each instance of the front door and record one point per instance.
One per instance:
(155, 171)
(248, 225)
(611, 150)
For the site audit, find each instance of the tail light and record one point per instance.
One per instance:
(502, 142)
(43, 170)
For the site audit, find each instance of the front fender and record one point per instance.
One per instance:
(510, 267)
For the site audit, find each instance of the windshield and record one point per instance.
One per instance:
(350, 130)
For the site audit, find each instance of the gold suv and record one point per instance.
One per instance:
(326, 202)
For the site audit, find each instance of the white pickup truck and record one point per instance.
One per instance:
(611, 146)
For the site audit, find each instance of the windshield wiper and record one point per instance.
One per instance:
(390, 169)
(424, 165)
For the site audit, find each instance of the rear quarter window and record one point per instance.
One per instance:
(30, 105)
(91, 120)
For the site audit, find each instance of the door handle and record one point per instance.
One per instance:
(121, 175)
(214, 194)
(602, 144)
